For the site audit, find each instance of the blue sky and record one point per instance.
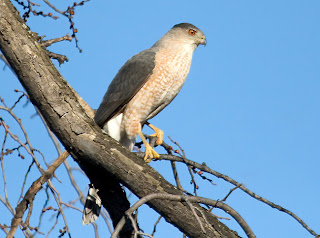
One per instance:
(249, 108)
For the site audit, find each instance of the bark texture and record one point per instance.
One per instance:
(100, 157)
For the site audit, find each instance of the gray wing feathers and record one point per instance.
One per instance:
(128, 81)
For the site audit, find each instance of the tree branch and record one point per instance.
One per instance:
(188, 200)
(47, 43)
(203, 167)
(31, 193)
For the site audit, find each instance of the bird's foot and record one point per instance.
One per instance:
(158, 133)
(150, 153)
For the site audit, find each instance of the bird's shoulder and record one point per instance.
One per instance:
(145, 60)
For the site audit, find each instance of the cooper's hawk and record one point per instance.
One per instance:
(146, 84)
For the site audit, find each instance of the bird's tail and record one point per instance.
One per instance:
(92, 206)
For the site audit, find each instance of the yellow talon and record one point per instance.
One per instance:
(158, 133)
(150, 152)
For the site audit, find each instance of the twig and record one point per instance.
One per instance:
(95, 228)
(30, 149)
(44, 206)
(53, 226)
(173, 165)
(202, 214)
(53, 7)
(134, 224)
(183, 156)
(203, 167)
(4, 60)
(69, 205)
(25, 224)
(47, 43)
(2, 166)
(195, 215)
(229, 193)
(57, 197)
(24, 181)
(24, 146)
(61, 58)
(220, 217)
(155, 225)
(4, 228)
(69, 14)
(9, 110)
(32, 191)
(8, 205)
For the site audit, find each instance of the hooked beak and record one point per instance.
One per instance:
(203, 41)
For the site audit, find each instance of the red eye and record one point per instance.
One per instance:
(192, 32)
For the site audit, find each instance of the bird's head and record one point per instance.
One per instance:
(183, 35)
(188, 33)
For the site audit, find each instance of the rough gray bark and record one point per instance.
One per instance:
(98, 155)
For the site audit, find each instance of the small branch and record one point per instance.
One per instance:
(195, 215)
(173, 165)
(229, 193)
(202, 214)
(175, 175)
(53, 226)
(7, 205)
(23, 94)
(32, 191)
(4, 60)
(23, 145)
(134, 224)
(57, 197)
(73, 207)
(95, 228)
(61, 58)
(69, 13)
(47, 43)
(9, 110)
(25, 224)
(184, 198)
(183, 156)
(2, 166)
(155, 225)
(53, 7)
(203, 167)
(4, 228)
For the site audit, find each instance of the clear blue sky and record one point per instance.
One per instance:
(249, 108)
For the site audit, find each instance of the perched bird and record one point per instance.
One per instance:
(144, 86)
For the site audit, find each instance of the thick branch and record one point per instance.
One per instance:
(97, 154)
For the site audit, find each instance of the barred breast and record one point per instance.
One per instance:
(168, 76)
